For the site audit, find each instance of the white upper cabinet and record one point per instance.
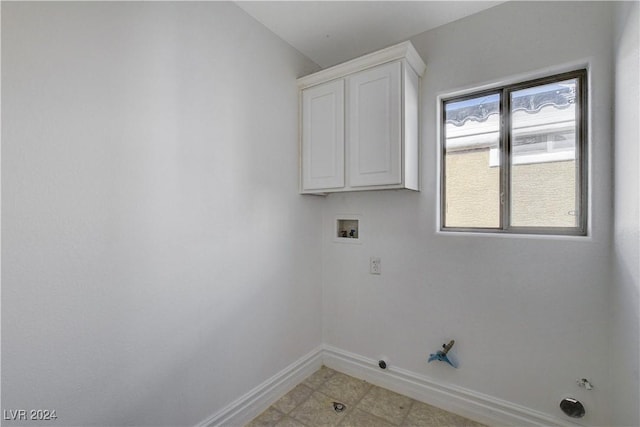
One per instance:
(323, 136)
(374, 126)
(359, 123)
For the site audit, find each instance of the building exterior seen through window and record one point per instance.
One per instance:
(514, 158)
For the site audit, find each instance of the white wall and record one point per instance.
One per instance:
(626, 237)
(158, 262)
(529, 315)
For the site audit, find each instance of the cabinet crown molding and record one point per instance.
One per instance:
(404, 50)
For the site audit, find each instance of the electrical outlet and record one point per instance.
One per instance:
(374, 265)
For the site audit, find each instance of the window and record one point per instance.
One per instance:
(514, 159)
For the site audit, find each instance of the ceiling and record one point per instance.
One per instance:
(331, 32)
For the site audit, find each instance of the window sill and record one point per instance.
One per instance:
(531, 236)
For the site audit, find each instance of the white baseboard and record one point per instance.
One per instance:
(471, 404)
(242, 410)
(468, 403)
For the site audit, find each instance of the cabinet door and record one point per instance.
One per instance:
(323, 136)
(373, 126)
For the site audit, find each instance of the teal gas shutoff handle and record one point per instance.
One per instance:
(441, 355)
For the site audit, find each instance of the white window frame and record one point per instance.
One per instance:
(581, 229)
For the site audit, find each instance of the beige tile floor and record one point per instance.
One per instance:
(311, 404)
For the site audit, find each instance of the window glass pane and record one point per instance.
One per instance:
(472, 162)
(543, 155)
